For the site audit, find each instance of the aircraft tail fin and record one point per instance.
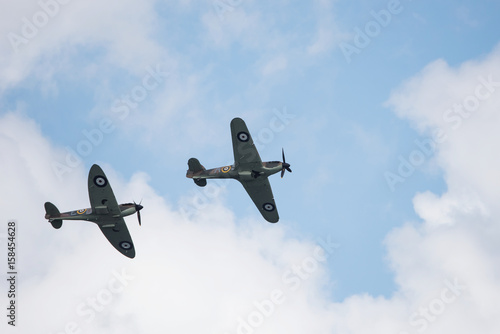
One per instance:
(195, 165)
(195, 168)
(52, 211)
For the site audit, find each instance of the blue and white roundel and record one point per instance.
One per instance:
(243, 136)
(126, 245)
(100, 181)
(268, 207)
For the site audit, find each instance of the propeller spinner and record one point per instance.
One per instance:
(284, 164)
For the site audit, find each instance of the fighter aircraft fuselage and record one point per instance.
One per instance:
(94, 216)
(241, 172)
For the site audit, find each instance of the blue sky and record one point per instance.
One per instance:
(187, 68)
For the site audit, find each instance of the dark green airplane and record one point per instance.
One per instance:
(104, 211)
(248, 168)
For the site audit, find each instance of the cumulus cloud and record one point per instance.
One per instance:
(460, 227)
(202, 270)
(460, 105)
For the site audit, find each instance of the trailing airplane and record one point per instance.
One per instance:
(248, 169)
(104, 211)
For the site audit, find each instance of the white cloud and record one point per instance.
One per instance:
(60, 31)
(202, 266)
(459, 234)
(248, 276)
(462, 104)
(214, 273)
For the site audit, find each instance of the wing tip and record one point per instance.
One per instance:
(95, 167)
(128, 253)
(237, 120)
(273, 220)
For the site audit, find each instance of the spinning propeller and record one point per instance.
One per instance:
(284, 164)
(138, 208)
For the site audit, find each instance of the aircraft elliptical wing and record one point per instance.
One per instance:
(262, 195)
(119, 237)
(248, 169)
(104, 204)
(244, 149)
(104, 211)
(102, 199)
(247, 157)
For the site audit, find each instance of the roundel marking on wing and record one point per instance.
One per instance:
(243, 136)
(125, 245)
(268, 207)
(81, 212)
(226, 169)
(100, 181)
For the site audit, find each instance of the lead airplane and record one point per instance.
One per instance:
(104, 211)
(248, 169)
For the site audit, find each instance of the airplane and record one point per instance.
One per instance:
(104, 211)
(248, 169)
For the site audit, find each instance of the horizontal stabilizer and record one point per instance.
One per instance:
(200, 182)
(57, 223)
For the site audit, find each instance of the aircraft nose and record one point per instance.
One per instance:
(138, 207)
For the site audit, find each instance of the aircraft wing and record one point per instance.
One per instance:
(243, 146)
(104, 204)
(119, 236)
(102, 199)
(261, 194)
